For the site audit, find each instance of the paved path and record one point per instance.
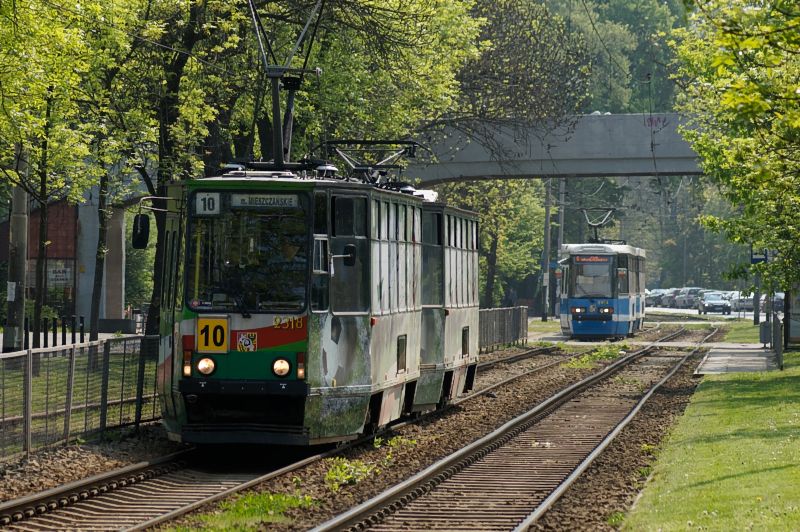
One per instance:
(722, 357)
(735, 358)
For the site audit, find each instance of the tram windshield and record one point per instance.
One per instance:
(590, 276)
(248, 254)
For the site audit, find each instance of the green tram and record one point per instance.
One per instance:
(305, 309)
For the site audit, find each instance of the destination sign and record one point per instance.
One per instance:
(594, 259)
(263, 201)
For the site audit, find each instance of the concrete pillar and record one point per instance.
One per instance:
(114, 278)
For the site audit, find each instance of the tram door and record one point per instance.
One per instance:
(563, 300)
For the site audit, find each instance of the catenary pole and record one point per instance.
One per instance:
(546, 254)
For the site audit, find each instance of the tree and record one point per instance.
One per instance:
(40, 112)
(739, 64)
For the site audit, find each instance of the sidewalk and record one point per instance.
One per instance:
(737, 358)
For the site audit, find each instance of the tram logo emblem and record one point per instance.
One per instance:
(246, 341)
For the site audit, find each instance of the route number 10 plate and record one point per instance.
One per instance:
(212, 335)
(206, 203)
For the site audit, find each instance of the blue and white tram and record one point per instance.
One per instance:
(602, 290)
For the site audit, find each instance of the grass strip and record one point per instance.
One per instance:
(733, 460)
(741, 331)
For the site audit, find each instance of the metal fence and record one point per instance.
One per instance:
(503, 326)
(51, 395)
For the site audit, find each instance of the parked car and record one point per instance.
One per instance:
(668, 299)
(713, 302)
(741, 302)
(653, 297)
(777, 302)
(687, 298)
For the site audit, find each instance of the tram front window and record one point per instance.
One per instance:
(251, 258)
(590, 277)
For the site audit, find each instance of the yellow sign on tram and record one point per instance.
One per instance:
(212, 334)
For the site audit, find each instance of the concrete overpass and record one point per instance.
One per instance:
(597, 145)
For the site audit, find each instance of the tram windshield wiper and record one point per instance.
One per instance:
(239, 301)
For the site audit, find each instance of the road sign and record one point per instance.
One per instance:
(757, 256)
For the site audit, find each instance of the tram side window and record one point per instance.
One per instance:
(321, 213)
(642, 280)
(350, 290)
(432, 258)
(320, 276)
(349, 216)
(166, 284)
(622, 274)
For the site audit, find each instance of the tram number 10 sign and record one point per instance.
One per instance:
(212, 335)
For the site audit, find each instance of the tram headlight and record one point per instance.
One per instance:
(606, 310)
(206, 366)
(281, 367)
(578, 310)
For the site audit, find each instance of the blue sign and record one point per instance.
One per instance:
(758, 256)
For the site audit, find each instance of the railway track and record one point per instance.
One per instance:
(509, 478)
(152, 493)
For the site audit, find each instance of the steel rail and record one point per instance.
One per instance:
(562, 488)
(62, 496)
(419, 484)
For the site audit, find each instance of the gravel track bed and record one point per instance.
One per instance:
(490, 376)
(503, 353)
(435, 438)
(695, 335)
(599, 499)
(57, 466)
(675, 317)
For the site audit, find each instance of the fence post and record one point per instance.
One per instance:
(140, 386)
(82, 329)
(55, 331)
(74, 325)
(63, 330)
(70, 389)
(44, 332)
(104, 386)
(28, 402)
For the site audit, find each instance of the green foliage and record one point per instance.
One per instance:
(590, 360)
(343, 472)
(742, 103)
(250, 510)
(615, 519)
(648, 449)
(531, 68)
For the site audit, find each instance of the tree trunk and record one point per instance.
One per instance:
(491, 272)
(41, 258)
(168, 114)
(217, 151)
(100, 256)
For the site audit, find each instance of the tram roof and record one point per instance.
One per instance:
(238, 178)
(602, 249)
